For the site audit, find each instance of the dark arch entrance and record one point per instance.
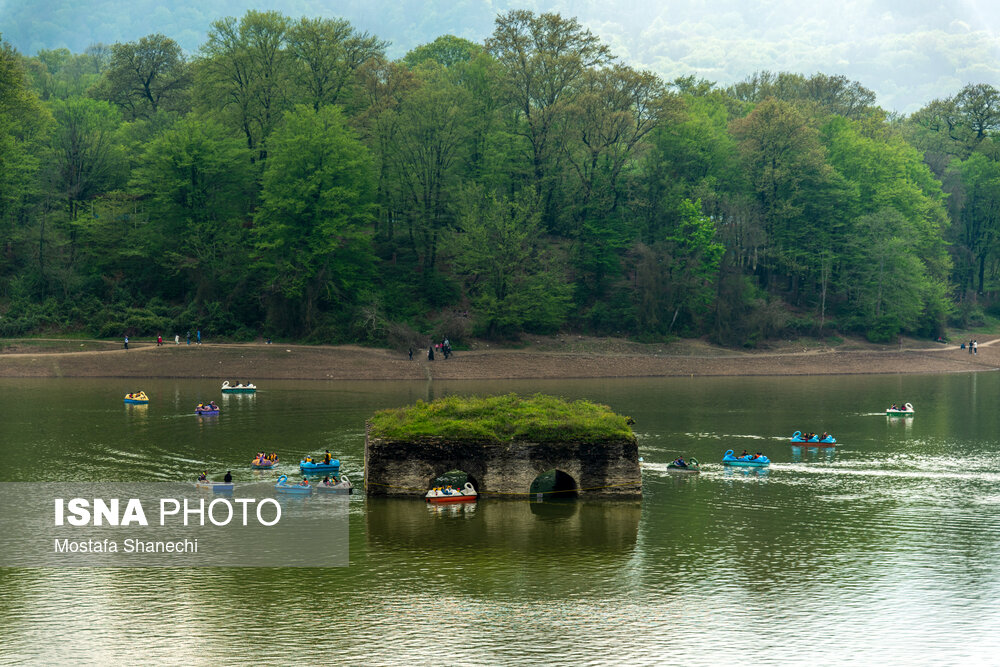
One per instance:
(456, 478)
(554, 485)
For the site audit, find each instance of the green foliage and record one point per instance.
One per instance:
(446, 50)
(675, 276)
(538, 418)
(513, 285)
(315, 203)
(146, 76)
(328, 53)
(288, 176)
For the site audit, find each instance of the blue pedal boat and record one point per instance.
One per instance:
(318, 466)
(745, 461)
(295, 489)
(828, 440)
(214, 487)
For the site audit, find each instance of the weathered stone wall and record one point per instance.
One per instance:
(608, 469)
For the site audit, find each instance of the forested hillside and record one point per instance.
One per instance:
(292, 180)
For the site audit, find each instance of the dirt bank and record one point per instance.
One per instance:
(549, 358)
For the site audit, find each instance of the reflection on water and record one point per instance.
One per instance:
(564, 528)
(891, 539)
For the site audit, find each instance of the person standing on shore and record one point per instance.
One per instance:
(411, 354)
(177, 339)
(975, 347)
(970, 347)
(189, 336)
(199, 336)
(159, 340)
(126, 343)
(430, 353)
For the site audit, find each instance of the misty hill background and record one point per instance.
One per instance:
(908, 52)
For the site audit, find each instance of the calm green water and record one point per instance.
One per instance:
(883, 550)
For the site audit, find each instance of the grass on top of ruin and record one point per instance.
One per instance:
(505, 418)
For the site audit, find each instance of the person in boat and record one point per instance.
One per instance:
(744, 454)
(304, 482)
(228, 479)
(893, 407)
(309, 459)
(213, 406)
(326, 457)
(680, 463)
(756, 456)
(824, 436)
(326, 481)
(203, 476)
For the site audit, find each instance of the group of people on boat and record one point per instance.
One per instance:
(261, 458)
(809, 436)
(137, 396)
(327, 457)
(750, 457)
(328, 482)
(680, 462)
(207, 406)
(448, 490)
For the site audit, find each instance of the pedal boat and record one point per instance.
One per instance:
(238, 389)
(692, 467)
(294, 489)
(828, 440)
(448, 494)
(907, 411)
(343, 485)
(745, 461)
(215, 487)
(318, 466)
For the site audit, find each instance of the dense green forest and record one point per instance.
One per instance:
(291, 180)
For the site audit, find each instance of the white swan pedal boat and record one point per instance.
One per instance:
(905, 411)
(239, 388)
(343, 485)
(449, 494)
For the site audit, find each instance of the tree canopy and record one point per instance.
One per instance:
(289, 178)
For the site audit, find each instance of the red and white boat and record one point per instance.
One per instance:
(449, 494)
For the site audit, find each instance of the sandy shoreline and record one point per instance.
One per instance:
(258, 362)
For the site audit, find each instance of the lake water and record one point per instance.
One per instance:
(882, 550)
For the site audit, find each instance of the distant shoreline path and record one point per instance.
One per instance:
(255, 361)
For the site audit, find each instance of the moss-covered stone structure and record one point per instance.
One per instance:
(503, 444)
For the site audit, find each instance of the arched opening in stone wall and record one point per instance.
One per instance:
(554, 485)
(455, 478)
